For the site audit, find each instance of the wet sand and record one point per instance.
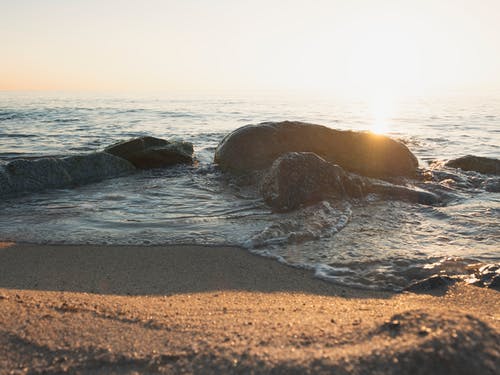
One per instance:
(193, 309)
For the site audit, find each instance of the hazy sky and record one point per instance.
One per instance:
(334, 46)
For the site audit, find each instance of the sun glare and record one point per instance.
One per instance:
(381, 113)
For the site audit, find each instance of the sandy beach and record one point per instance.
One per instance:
(193, 309)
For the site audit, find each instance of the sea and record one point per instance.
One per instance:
(371, 243)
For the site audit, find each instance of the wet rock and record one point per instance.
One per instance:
(256, 147)
(486, 276)
(24, 175)
(476, 163)
(5, 182)
(398, 192)
(33, 175)
(149, 152)
(492, 185)
(429, 284)
(450, 180)
(301, 178)
(495, 283)
(84, 169)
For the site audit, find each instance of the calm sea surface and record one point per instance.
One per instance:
(374, 243)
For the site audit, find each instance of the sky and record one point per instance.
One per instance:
(335, 46)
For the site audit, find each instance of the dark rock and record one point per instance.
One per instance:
(93, 167)
(430, 283)
(255, 147)
(488, 275)
(33, 175)
(150, 152)
(492, 185)
(476, 163)
(495, 283)
(398, 192)
(301, 178)
(23, 175)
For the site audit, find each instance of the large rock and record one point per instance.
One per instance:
(31, 175)
(255, 147)
(476, 163)
(149, 152)
(301, 178)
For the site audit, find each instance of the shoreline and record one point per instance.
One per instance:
(164, 309)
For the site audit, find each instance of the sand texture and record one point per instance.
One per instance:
(193, 309)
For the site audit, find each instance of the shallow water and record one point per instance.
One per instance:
(371, 243)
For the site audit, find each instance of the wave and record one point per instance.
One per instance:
(177, 114)
(23, 175)
(309, 223)
(11, 115)
(63, 120)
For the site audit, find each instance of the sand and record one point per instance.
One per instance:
(193, 309)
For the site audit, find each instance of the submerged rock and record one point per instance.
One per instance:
(256, 147)
(23, 175)
(476, 163)
(149, 152)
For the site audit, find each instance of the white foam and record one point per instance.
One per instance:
(313, 222)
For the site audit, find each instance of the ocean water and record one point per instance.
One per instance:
(370, 243)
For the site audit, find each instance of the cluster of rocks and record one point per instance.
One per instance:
(482, 275)
(305, 163)
(298, 164)
(27, 175)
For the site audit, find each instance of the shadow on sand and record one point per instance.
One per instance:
(155, 270)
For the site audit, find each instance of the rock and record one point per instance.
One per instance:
(37, 174)
(5, 181)
(492, 185)
(403, 193)
(488, 275)
(495, 283)
(150, 152)
(255, 147)
(84, 169)
(476, 163)
(23, 175)
(430, 283)
(301, 178)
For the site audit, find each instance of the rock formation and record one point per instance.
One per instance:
(256, 147)
(149, 152)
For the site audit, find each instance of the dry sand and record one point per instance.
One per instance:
(188, 309)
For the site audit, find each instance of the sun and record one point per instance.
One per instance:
(381, 113)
